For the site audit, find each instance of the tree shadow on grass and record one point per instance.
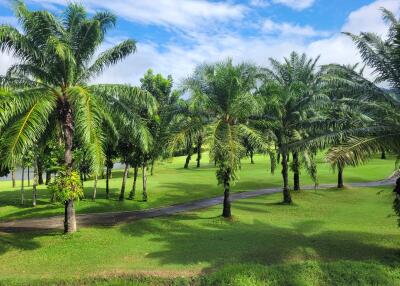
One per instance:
(21, 241)
(218, 242)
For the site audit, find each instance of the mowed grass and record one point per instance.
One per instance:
(171, 184)
(328, 237)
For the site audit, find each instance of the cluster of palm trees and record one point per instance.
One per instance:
(288, 111)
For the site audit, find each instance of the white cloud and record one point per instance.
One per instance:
(369, 17)
(285, 29)
(259, 3)
(295, 4)
(180, 61)
(181, 14)
(6, 61)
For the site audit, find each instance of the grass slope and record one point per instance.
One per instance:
(171, 184)
(328, 237)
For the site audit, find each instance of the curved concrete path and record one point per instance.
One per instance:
(113, 218)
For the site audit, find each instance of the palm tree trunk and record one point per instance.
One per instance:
(35, 182)
(383, 155)
(40, 172)
(199, 145)
(95, 187)
(226, 212)
(107, 182)
(296, 172)
(29, 178)
(132, 194)
(122, 193)
(152, 167)
(22, 185)
(144, 177)
(13, 177)
(340, 184)
(251, 156)
(48, 177)
(287, 199)
(69, 219)
(68, 130)
(188, 157)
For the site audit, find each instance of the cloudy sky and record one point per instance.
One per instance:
(175, 35)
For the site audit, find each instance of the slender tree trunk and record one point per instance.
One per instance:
(29, 177)
(13, 178)
(188, 157)
(340, 184)
(383, 155)
(152, 167)
(251, 156)
(287, 199)
(95, 187)
(107, 182)
(296, 172)
(68, 132)
(53, 198)
(226, 212)
(144, 177)
(40, 173)
(22, 185)
(199, 145)
(48, 177)
(122, 193)
(132, 194)
(35, 181)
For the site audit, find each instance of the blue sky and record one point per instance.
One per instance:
(175, 35)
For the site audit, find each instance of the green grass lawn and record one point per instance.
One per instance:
(171, 184)
(328, 237)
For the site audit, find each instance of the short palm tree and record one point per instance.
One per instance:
(227, 91)
(50, 84)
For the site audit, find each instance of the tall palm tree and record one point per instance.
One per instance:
(228, 92)
(356, 144)
(50, 83)
(292, 90)
(383, 56)
(345, 106)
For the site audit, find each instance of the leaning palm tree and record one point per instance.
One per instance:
(51, 81)
(292, 90)
(228, 92)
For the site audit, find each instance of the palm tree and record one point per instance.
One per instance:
(292, 90)
(160, 88)
(383, 56)
(134, 135)
(187, 128)
(353, 145)
(345, 105)
(56, 62)
(227, 91)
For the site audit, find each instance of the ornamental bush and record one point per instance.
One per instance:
(67, 186)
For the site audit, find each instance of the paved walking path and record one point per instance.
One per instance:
(113, 218)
